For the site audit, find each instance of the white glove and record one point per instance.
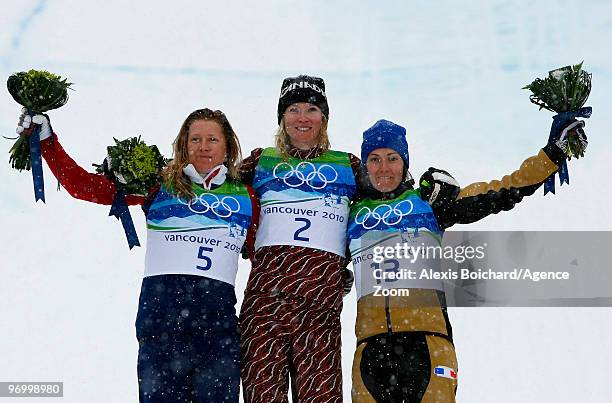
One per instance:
(108, 169)
(26, 120)
(577, 127)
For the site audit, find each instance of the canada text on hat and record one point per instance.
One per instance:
(302, 89)
(301, 84)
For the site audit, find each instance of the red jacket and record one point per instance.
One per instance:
(97, 188)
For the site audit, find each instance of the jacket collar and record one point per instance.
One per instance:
(216, 177)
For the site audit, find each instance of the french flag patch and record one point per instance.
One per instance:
(445, 372)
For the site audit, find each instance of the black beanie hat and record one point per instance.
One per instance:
(302, 89)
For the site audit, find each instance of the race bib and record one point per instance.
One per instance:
(304, 202)
(394, 245)
(319, 223)
(413, 263)
(211, 253)
(201, 236)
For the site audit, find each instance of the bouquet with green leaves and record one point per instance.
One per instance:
(133, 165)
(564, 90)
(38, 91)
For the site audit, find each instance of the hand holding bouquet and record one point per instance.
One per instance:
(565, 92)
(135, 168)
(133, 165)
(38, 91)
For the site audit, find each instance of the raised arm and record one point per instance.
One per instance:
(79, 183)
(455, 205)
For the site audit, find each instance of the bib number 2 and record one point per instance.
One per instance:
(307, 224)
(207, 261)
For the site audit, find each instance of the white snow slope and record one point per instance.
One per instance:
(452, 74)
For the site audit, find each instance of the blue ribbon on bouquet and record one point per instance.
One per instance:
(119, 209)
(37, 171)
(560, 122)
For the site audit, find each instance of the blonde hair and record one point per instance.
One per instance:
(282, 140)
(173, 175)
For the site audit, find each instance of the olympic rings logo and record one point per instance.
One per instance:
(384, 213)
(209, 202)
(306, 172)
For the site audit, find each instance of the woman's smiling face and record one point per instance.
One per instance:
(303, 124)
(385, 169)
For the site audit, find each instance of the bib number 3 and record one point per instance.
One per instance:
(393, 269)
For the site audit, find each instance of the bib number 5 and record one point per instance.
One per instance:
(206, 259)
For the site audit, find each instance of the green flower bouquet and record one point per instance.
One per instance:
(564, 91)
(133, 165)
(38, 91)
(135, 168)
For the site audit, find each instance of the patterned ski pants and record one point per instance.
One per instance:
(281, 335)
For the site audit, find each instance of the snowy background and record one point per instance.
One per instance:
(452, 75)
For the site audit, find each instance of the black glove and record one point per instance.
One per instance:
(574, 128)
(349, 278)
(438, 187)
